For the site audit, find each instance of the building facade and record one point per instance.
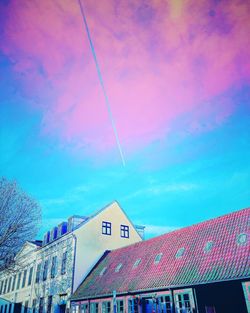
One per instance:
(204, 268)
(64, 258)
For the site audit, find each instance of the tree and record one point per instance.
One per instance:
(20, 218)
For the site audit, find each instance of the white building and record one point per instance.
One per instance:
(67, 254)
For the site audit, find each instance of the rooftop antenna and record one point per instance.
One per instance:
(101, 82)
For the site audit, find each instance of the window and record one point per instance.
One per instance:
(26, 304)
(49, 306)
(38, 271)
(24, 278)
(94, 307)
(45, 269)
(208, 246)
(158, 258)
(9, 284)
(14, 283)
(48, 237)
(53, 267)
(118, 267)
(41, 305)
(137, 262)
(165, 304)
(34, 306)
(19, 280)
(84, 308)
(124, 232)
(242, 239)
(64, 228)
(55, 233)
(103, 271)
(106, 307)
(120, 306)
(106, 228)
(1, 287)
(64, 261)
(30, 276)
(133, 306)
(180, 253)
(5, 285)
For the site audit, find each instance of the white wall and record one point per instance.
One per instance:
(91, 243)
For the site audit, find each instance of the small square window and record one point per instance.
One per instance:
(118, 267)
(180, 253)
(106, 228)
(137, 262)
(124, 231)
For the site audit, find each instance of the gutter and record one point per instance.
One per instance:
(74, 261)
(158, 289)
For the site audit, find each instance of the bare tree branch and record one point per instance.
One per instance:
(20, 218)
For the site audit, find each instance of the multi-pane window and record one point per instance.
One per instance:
(94, 307)
(41, 305)
(9, 284)
(124, 231)
(19, 280)
(106, 307)
(106, 228)
(133, 306)
(13, 283)
(49, 306)
(64, 262)
(165, 304)
(30, 276)
(183, 303)
(84, 308)
(53, 267)
(38, 271)
(45, 269)
(120, 306)
(24, 278)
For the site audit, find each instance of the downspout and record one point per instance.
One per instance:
(173, 302)
(74, 261)
(195, 300)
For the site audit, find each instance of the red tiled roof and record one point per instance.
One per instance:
(228, 259)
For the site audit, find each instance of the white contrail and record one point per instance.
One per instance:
(102, 83)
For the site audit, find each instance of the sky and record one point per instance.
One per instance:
(177, 75)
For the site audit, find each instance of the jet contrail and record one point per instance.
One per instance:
(102, 83)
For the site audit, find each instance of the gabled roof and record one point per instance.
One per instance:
(212, 251)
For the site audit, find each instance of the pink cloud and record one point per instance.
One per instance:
(158, 61)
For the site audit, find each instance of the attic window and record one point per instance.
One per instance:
(158, 258)
(242, 239)
(180, 253)
(208, 246)
(118, 267)
(137, 262)
(103, 271)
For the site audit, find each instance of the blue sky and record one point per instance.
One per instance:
(184, 163)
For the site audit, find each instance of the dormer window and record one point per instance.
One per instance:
(55, 233)
(118, 267)
(64, 228)
(157, 258)
(48, 237)
(103, 271)
(137, 262)
(179, 253)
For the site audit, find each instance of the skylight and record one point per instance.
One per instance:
(241, 239)
(103, 271)
(158, 258)
(118, 267)
(180, 253)
(208, 246)
(137, 262)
